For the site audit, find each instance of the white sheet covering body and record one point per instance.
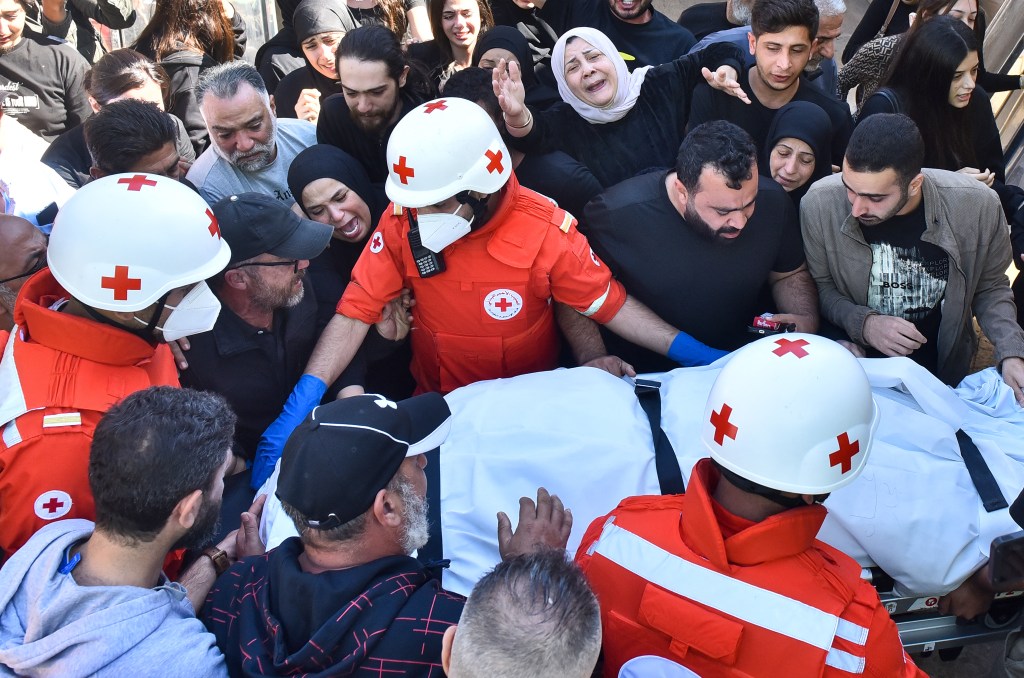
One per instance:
(582, 434)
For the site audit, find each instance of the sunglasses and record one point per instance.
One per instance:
(294, 263)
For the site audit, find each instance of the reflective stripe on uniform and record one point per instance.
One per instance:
(746, 602)
(598, 303)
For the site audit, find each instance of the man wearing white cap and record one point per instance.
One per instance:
(127, 259)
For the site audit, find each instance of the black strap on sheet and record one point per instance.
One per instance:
(669, 476)
(981, 475)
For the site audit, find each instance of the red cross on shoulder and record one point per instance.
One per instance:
(136, 182)
(843, 457)
(121, 283)
(494, 165)
(789, 346)
(720, 420)
(403, 170)
(439, 105)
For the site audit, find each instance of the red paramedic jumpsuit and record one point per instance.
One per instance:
(489, 315)
(679, 577)
(58, 375)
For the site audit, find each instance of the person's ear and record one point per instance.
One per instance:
(682, 195)
(235, 278)
(96, 173)
(403, 77)
(187, 510)
(752, 41)
(93, 104)
(387, 509)
(446, 649)
(915, 184)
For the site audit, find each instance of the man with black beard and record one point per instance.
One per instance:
(85, 598)
(699, 244)
(378, 87)
(346, 596)
(250, 149)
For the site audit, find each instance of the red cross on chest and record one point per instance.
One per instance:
(843, 457)
(789, 346)
(120, 283)
(136, 182)
(403, 170)
(503, 304)
(52, 505)
(439, 105)
(720, 420)
(494, 165)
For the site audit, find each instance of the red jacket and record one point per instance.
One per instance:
(59, 373)
(489, 314)
(681, 578)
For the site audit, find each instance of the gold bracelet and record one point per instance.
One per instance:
(529, 120)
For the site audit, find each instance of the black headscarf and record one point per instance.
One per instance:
(506, 37)
(323, 161)
(809, 123)
(312, 17)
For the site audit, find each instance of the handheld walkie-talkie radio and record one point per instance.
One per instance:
(428, 263)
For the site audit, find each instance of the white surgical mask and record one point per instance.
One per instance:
(439, 230)
(196, 313)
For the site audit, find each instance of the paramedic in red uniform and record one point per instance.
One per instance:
(127, 258)
(728, 579)
(494, 257)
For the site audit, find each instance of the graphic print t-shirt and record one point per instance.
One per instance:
(908, 278)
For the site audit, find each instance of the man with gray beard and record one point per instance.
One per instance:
(346, 595)
(250, 149)
(267, 327)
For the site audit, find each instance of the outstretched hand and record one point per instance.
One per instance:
(543, 525)
(726, 79)
(507, 81)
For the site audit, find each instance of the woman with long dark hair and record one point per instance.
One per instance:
(186, 37)
(933, 79)
(121, 74)
(456, 25)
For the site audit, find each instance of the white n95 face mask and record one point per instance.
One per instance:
(437, 231)
(196, 313)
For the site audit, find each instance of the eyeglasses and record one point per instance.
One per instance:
(294, 263)
(39, 265)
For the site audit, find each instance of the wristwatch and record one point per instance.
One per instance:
(219, 559)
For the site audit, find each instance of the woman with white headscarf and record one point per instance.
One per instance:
(617, 123)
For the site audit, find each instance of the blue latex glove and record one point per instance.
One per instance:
(305, 396)
(689, 352)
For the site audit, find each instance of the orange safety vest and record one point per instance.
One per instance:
(59, 373)
(489, 315)
(769, 600)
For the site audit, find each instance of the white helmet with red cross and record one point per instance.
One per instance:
(442, 148)
(791, 412)
(122, 242)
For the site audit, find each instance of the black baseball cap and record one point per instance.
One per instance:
(345, 452)
(255, 223)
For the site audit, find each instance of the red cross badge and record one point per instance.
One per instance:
(843, 457)
(136, 182)
(402, 169)
(121, 283)
(214, 227)
(52, 504)
(494, 165)
(377, 242)
(503, 304)
(789, 346)
(439, 105)
(723, 429)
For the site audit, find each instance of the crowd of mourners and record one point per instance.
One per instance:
(223, 280)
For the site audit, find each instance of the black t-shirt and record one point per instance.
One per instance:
(704, 19)
(656, 42)
(42, 85)
(707, 289)
(291, 86)
(908, 278)
(756, 118)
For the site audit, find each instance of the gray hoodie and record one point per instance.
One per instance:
(51, 626)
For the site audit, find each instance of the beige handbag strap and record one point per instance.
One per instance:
(888, 19)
